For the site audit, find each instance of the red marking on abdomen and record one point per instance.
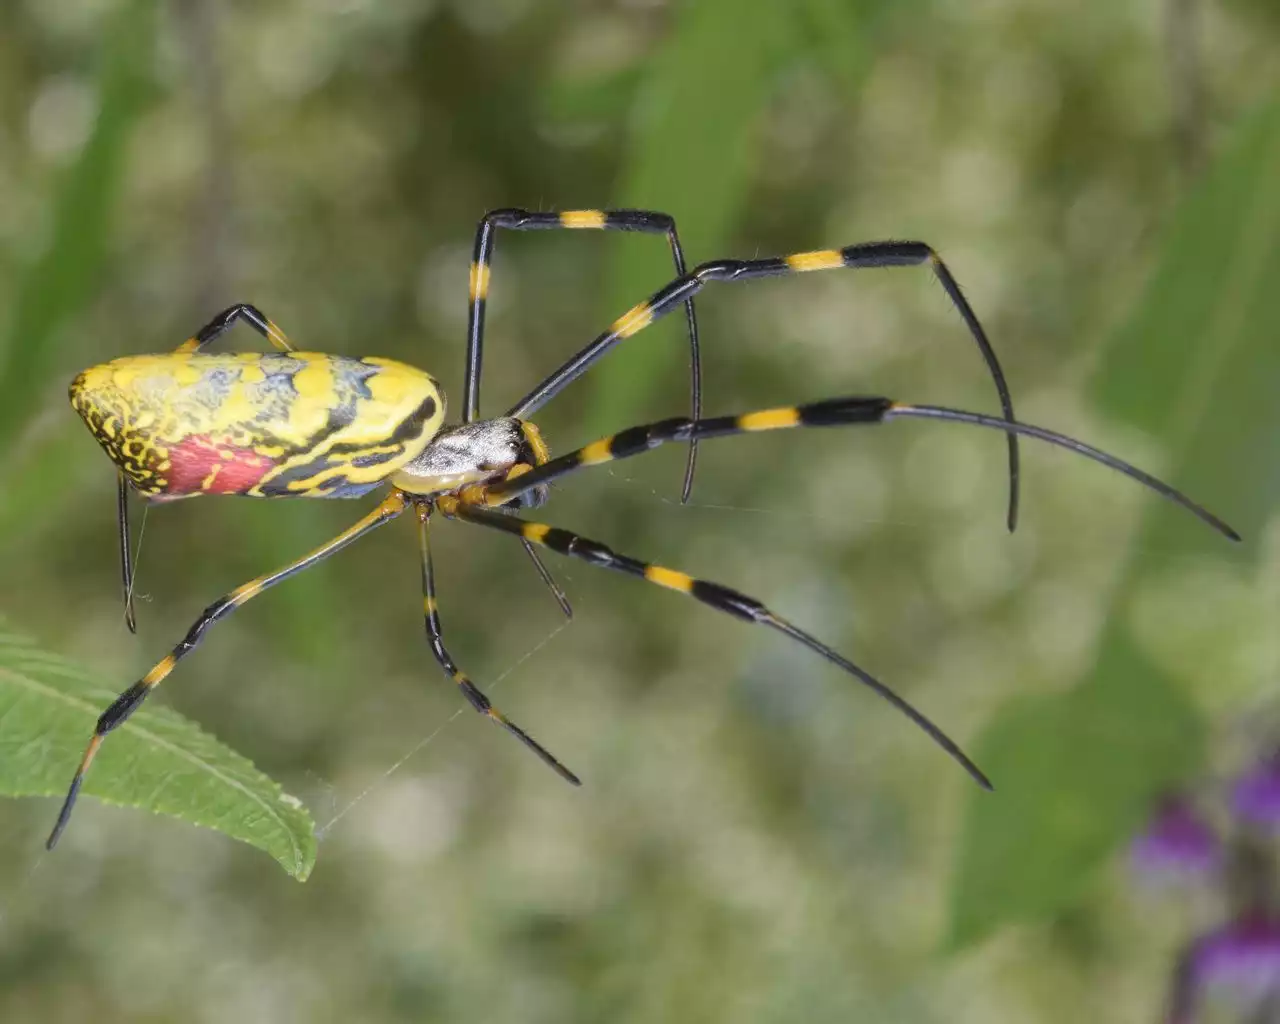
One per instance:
(198, 464)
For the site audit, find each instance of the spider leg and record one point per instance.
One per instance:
(646, 221)
(716, 596)
(557, 591)
(435, 637)
(129, 701)
(227, 319)
(864, 254)
(833, 412)
(126, 555)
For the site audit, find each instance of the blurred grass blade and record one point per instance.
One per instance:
(1198, 365)
(62, 281)
(691, 151)
(157, 761)
(838, 33)
(690, 154)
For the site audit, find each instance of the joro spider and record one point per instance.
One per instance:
(308, 424)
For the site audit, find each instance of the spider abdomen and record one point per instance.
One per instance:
(288, 424)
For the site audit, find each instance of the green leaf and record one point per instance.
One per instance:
(63, 281)
(1074, 774)
(158, 760)
(1198, 365)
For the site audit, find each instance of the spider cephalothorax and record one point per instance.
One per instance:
(480, 452)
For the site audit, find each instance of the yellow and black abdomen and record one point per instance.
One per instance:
(288, 424)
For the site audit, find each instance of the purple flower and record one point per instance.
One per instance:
(1256, 794)
(1177, 843)
(1240, 960)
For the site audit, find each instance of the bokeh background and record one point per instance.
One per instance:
(758, 839)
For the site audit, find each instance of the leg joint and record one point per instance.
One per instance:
(442, 656)
(719, 270)
(590, 551)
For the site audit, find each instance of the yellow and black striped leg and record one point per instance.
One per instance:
(129, 701)
(227, 319)
(644, 221)
(716, 596)
(126, 554)
(834, 412)
(686, 286)
(435, 637)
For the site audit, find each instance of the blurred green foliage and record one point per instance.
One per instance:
(1197, 362)
(757, 839)
(697, 105)
(65, 278)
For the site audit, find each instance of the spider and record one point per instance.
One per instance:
(307, 424)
